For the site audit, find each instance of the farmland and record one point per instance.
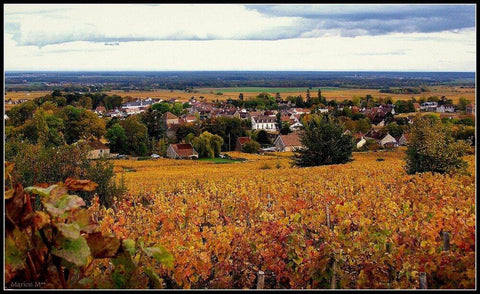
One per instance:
(225, 222)
(209, 94)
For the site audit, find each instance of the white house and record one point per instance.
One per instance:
(388, 139)
(264, 122)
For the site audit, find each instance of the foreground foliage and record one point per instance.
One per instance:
(51, 241)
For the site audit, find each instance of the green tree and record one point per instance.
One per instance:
(362, 125)
(324, 143)
(81, 124)
(262, 137)
(393, 129)
(153, 120)
(251, 147)
(117, 139)
(137, 135)
(21, 113)
(285, 130)
(101, 172)
(462, 103)
(432, 148)
(208, 145)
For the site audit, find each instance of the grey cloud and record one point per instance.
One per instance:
(377, 19)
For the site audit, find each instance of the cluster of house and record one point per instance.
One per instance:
(434, 107)
(266, 120)
(129, 108)
(18, 101)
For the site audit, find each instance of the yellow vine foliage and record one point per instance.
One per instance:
(225, 222)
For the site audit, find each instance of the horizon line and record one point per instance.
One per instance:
(224, 70)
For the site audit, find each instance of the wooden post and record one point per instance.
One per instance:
(328, 217)
(333, 284)
(446, 241)
(423, 280)
(260, 280)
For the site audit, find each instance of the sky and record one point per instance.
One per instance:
(316, 37)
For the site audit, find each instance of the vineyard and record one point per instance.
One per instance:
(365, 224)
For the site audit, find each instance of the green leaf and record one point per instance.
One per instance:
(161, 255)
(129, 246)
(16, 247)
(69, 231)
(86, 283)
(124, 268)
(156, 280)
(75, 251)
(43, 192)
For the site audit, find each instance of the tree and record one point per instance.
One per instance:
(154, 122)
(278, 98)
(432, 148)
(81, 124)
(324, 143)
(208, 145)
(285, 130)
(262, 137)
(117, 139)
(20, 113)
(137, 135)
(363, 125)
(462, 103)
(251, 147)
(393, 129)
(101, 172)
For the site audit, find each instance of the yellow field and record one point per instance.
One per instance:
(339, 95)
(182, 96)
(14, 96)
(225, 222)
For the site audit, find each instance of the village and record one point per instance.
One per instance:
(268, 121)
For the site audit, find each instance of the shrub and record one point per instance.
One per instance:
(432, 148)
(251, 147)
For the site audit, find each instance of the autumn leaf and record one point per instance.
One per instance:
(75, 251)
(80, 185)
(103, 246)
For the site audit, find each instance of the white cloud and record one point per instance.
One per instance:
(99, 23)
(77, 37)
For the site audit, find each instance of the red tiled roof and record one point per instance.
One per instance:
(97, 145)
(169, 115)
(183, 150)
(291, 140)
(243, 140)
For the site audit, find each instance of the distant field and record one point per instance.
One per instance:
(208, 94)
(341, 94)
(23, 95)
(262, 89)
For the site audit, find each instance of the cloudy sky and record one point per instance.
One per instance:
(239, 37)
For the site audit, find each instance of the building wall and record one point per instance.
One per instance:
(170, 152)
(95, 154)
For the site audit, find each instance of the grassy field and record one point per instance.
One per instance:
(339, 94)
